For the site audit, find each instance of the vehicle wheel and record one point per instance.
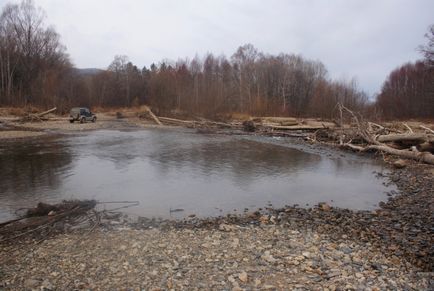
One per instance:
(94, 119)
(83, 120)
(71, 121)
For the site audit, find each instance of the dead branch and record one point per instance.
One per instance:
(36, 117)
(46, 112)
(427, 129)
(412, 137)
(378, 142)
(414, 155)
(283, 121)
(147, 113)
(408, 127)
(372, 124)
(153, 116)
(300, 127)
(177, 121)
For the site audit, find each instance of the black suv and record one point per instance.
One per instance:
(81, 114)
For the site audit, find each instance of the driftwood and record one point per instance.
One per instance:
(147, 112)
(409, 154)
(417, 146)
(44, 216)
(46, 112)
(300, 127)
(32, 117)
(154, 116)
(177, 121)
(282, 121)
(413, 137)
(204, 123)
(426, 147)
(427, 129)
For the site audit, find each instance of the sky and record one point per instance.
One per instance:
(364, 39)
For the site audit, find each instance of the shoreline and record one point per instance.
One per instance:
(391, 247)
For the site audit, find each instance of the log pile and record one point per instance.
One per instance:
(367, 136)
(266, 125)
(201, 123)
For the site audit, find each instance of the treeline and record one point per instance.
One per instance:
(408, 92)
(249, 82)
(35, 70)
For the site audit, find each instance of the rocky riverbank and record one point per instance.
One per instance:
(272, 249)
(233, 257)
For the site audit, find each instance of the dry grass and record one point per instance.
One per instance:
(19, 111)
(240, 116)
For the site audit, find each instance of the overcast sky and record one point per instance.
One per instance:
(365, 39)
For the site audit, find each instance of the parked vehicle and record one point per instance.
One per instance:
(81, 114)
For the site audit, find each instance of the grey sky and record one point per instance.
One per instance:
(364, 38)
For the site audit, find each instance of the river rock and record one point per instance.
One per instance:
(324, 206)
(399, 164)
(31, 283)
(226, 227)
(243, 277)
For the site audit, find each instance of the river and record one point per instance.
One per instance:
(167, 170)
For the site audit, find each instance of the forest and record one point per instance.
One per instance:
(35, 70)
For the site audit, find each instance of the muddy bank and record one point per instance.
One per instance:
(270, 249)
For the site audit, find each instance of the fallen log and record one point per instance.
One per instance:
(177, 121)
(46, 112)
(148, 111)
(426, 147)
(414, 155)
(299, 127)
(413, 137)
(218, 124)
(154, 116)
(427, 129)
(282, 121)
(32, 117)
(425, 157)
(377, 142)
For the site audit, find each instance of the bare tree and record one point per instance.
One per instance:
(30, 51)
(428, 49)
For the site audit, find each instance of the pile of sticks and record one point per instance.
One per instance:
(368, 136)
(43, 219)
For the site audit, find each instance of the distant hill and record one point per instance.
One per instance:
(88, 71)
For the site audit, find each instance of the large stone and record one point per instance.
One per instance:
(243, 277)
(399, 164)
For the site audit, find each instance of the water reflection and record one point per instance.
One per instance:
(203, 174)
(28, 168)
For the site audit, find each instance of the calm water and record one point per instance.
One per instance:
(170, 169)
